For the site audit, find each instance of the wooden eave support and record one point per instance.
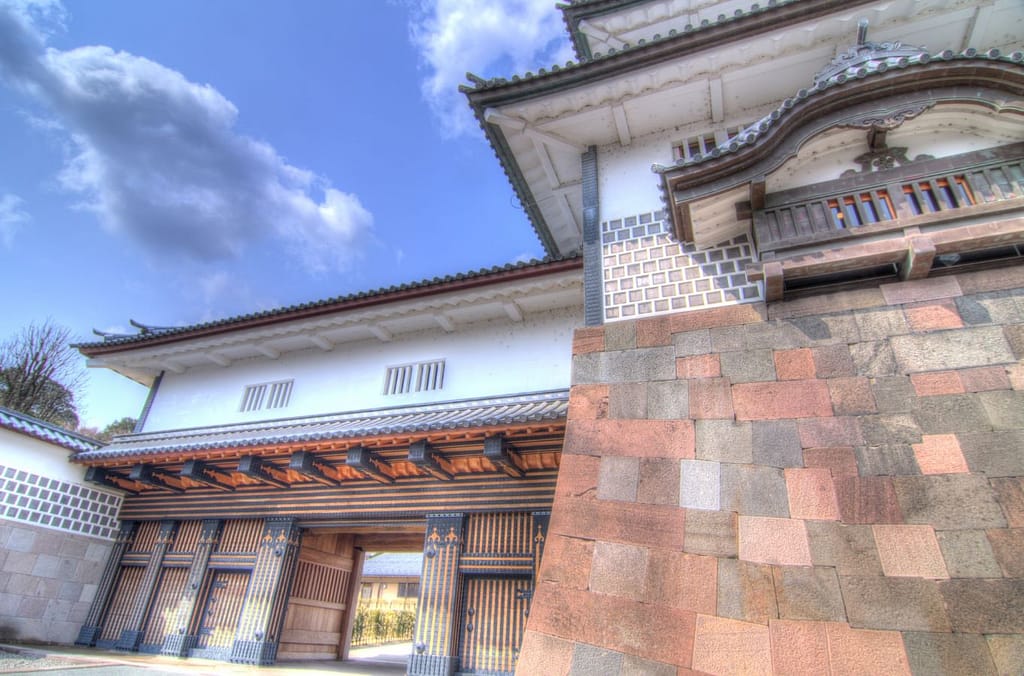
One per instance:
(502, 456)
(255, 467)
(144, 474)
(317, 469)
(200, 472)
(428, 459)
(103, 477)
(366, 462)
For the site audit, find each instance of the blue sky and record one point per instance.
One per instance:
(176, 161)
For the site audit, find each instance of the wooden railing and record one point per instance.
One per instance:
(890, 199)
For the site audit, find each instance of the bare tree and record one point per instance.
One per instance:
(40, 374)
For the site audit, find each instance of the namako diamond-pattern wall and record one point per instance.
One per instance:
(647, 271)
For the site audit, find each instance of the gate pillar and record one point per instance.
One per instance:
(434, 646)
(131, 636)
(90, 631)
(179, 640)
(259, 628)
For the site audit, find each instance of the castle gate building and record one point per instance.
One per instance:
(250, 500)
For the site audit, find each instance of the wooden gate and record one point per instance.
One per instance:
(222, 606)
(128, 584)
(164, 608)
(317, 609)
(493, 620)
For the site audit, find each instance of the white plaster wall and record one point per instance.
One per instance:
(626, 184)
(38, 457)
(487, 359)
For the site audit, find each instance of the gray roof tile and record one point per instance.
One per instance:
(33, 427)
(535, 407)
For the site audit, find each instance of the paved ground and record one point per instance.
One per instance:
(75, 661)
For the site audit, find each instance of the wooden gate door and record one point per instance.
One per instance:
(221, 609)
(493, 620)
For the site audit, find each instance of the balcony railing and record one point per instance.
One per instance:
(889, 200)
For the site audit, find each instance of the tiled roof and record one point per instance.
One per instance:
(393, 565)
(33, 427)
(854, 64)
(481, 84)
(147, 333)
(526, 408)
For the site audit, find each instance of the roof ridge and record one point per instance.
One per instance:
(25, 423)
(152, 332)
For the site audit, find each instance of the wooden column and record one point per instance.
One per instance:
(434, 646)
(179, 641)
(132, 634)
(263, 613)
(90, 631)
(351, 602)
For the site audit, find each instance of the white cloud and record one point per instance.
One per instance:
(489, 38)
(11, 217)
(157, 158)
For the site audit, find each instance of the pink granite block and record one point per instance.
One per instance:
(940, 454)
(771, 540)
(724, 646)
(865, 652)
(909, 551)
(811, 494)
(937, 383)
(799, 647)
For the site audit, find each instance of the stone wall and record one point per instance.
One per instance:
(47, 580)
(825, 484)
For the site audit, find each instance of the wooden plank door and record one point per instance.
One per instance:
(221, 609)
(493, 620)
(319, 600)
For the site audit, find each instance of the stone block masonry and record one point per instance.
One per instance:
(55, 537)
(826, 485)
(47, 581)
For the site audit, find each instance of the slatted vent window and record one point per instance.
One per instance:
(267, 395)
(422, 376)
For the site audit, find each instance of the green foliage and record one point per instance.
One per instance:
(373, 625)
(125, 425)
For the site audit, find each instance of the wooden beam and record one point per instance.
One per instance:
(103, 477)
(425, 457)
(200, 472)
(256, 468)
(317, 469)
(716, 99)
(218, 359)
(268, 351)
(365, 461)
(513, 311)
(621, 125)
(380, 333)
(920, 256)
(322, 342)
(774, 281)
(144, 474)
(502, 456)
(445, 322)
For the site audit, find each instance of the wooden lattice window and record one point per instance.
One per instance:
(266, 395)
(851, 211)
(929, 197)
(423, 376)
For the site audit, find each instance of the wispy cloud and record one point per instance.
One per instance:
(157, 158)
(11, 218)
(487, 37)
